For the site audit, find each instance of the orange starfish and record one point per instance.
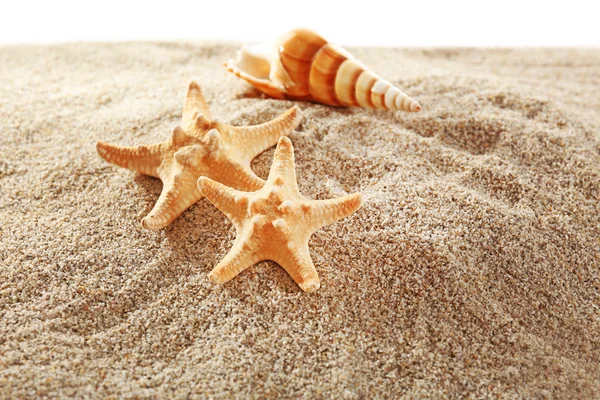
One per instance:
(275, 222)
(203, 147)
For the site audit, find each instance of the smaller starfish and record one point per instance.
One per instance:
(275, 222)
(203, 147)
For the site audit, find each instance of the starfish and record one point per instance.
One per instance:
(275, 222)
(201, 146)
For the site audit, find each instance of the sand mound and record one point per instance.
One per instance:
(472, 269)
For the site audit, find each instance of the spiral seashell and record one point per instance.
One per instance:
(302, 65)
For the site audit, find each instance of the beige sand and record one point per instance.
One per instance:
(472, 269)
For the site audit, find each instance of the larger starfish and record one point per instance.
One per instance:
(275, 222)
(202, 146)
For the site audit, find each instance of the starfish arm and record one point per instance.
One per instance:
(295, 259)
(239, 258)
(194, 105)
(325, 212)
(283, 169)
(253, 140)
(143, 159)
(230, 202)
(176, 197)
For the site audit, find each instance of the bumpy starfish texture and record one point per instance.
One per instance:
(202, 146)
(275, 222)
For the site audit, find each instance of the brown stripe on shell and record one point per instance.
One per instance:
(323, 74)
(382, 99)
(345, 82)
(297, 50)
(403, 102)
(364, 84)
(378, 100)
(407, 103)
(298, 71)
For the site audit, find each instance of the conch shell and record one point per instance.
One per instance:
(301, 65)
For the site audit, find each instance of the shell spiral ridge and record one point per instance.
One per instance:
(302, 65)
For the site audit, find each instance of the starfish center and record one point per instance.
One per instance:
(268, 206)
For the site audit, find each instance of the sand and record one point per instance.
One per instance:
(470, 271)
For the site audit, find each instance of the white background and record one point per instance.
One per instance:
(391, 23)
